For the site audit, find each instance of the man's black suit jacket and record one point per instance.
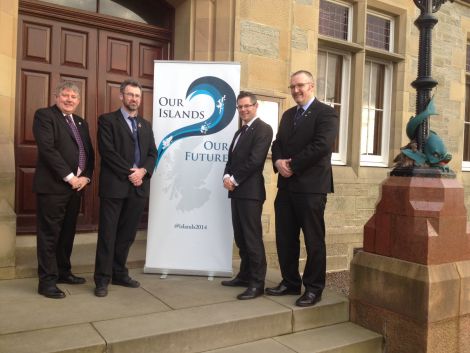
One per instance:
(246, 161)
(58, 151)
(309, 145)
(116, 147)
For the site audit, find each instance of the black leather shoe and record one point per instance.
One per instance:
(251, 293)
(236, 282)
(126, 282)
(101, 291)
(282, 289)
(51, 292)
(308, 299)
(71, 279)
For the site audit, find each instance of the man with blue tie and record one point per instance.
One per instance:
(243, 178)
(128, 154)
(64, 168)
(301, 154)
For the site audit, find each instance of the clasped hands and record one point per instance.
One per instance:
(228, 184)
(137, 176)
(283, 167)
(78, 183)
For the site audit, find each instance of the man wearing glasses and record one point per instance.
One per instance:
(243, 178)
(128, 154)
(301, 153)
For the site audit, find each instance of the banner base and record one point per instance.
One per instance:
(186, 272)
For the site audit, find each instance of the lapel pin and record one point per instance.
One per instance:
(140, 125)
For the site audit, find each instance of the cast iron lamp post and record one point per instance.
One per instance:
(423, 84)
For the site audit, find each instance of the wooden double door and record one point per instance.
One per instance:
(97, 58)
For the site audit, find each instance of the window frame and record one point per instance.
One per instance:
(466, 164)
(340, 157)
(350, 8)
(392, 30)
(381, 160)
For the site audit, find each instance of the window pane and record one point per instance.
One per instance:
(146, 11)
(372, 109)
(378, 32)
(334, 19)
(468, 57)
(466, 141)
(87, 5)
(321, 76)
(329, 83)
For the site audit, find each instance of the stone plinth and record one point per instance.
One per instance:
(419, 219)
(412, 282)
(417, 308)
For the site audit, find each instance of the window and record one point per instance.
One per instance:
(466, 126)
(375, 124)
(332, 88)
(145, 11)
(379, 32)
(335, 19)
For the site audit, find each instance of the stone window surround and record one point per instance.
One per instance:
(359, 53)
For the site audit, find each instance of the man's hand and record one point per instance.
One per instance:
(228, 184)
(137, 175)
(78, 183)
(283, 167)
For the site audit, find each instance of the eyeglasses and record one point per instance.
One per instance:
(299, 85)
(132, 95)
(246, 106)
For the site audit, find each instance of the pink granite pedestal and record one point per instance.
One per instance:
(412, 282)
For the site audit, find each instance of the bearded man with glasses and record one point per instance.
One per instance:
(301, 154)
(128, 154)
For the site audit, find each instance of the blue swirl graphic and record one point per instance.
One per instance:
(225, 105)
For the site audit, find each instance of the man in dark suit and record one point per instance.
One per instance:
(243, 178)
(128, 154)
(301, 153)
(64, 168)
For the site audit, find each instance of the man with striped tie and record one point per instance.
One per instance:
(64, 168)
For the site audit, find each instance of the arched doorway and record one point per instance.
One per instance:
(97, 44)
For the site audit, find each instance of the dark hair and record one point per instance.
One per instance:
(129, 82)
(244, 94)
(305, 72)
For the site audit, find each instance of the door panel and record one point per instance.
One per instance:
(50, 51)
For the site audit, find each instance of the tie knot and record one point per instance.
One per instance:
(69, 118)
(243, 129)
(300, 111)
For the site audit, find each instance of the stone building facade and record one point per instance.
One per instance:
(365, 75)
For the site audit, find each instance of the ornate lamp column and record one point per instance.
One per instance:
(424, 83)
(412, 281)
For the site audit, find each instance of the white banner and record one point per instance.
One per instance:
(194, 119)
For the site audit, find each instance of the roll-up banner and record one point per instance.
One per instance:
(194, 120)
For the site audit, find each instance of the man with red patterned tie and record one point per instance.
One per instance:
(64, 168)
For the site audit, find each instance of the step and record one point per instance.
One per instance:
(83, 255)
(177, 314)
(340, 338)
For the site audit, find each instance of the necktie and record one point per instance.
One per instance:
(78, 139)
(135, 137)
(298, 116)
(239, 135)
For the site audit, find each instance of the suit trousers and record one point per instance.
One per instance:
(293, 212)
(56, 223)
(248, 234)
(119, 219)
